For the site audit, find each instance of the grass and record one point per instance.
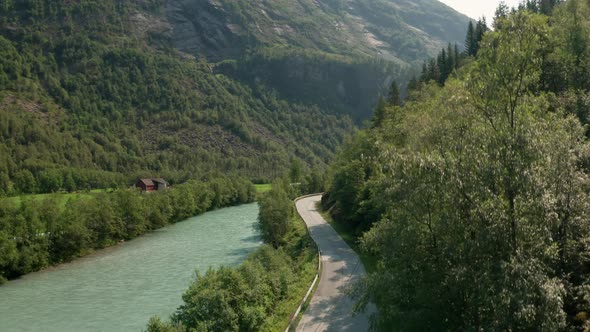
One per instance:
(307, 268)
(305, 305)
(262, 188)
(348, 235)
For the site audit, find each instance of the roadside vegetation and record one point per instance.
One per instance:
(39, 232)
(474, 194)
(263, 292)
(352, 238)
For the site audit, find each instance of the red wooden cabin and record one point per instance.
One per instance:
(148, 185)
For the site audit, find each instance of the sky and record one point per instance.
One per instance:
(478, 8)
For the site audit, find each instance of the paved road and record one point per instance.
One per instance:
(330, 308)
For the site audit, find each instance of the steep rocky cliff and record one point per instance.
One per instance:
(203, 28)
(337, 54)
(398, 30)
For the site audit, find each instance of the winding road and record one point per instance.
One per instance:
(330, 308)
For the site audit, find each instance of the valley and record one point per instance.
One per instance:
(452, 156)
(180, 88)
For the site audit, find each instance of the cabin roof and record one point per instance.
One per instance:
(147, 182)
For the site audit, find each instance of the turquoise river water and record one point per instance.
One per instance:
(120, 288)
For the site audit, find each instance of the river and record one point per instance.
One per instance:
(120, 288)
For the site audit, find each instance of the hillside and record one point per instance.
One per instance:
(94, 94)
(473, 196)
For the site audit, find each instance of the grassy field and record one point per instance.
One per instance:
(369, 261)
(262, 188)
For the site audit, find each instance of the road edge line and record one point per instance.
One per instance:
(317, 275)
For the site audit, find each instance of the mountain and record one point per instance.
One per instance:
(338, 54)
(94, 94)
(401, 31)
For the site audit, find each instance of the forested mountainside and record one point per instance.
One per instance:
(96, 93)
(473, 196)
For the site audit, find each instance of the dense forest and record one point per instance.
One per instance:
(473, 195)
(94, 94)
(91, 99)
(42, 232)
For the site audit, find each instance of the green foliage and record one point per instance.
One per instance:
(477, 191)
(295, 171)
(94, 108)
(379, 114)
(157, 325)
(39, 232)
(348, 179)
(275, 215)
(540, 6)
(237, 299)
(313, 183)
(393, 96)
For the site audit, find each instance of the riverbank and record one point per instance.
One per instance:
(259, 295)
(119, 288)
(40, 233)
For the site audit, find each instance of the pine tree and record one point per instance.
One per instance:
(433, 70)
(457, 57)
(393, 97)
(470, 39)
(480, 30)
(414, 84)
(379, 114)
(424, 77)
(546, 6)
(531, 5)
(500, 14)
(441, 63)
(451, 62)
